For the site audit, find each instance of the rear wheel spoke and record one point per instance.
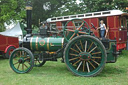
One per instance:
(83, 65)
(92, 65)
(79, 66)
(76, 62)
(97, 57)
(73, 54)
(93, 49)
(78, 47)
(95, 62)
(88, 67)
(81, 45)
(74, 58)
(90, 46)
(96, 53)
(86, 46)
(74, 50)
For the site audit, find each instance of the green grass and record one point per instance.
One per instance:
(56, 73)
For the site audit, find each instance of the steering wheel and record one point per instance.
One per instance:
(74, 28)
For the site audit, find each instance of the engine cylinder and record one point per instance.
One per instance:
(46, 44)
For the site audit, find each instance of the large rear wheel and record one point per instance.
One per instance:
(85, 56)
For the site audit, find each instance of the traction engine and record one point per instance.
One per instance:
(82, 52)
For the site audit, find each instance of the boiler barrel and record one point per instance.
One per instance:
(46, 44)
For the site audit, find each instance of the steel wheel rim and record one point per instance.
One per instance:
(21, 62)
(79, 66)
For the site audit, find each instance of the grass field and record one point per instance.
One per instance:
(56, 73)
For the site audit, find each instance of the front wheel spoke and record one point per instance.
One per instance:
(18, 66)
(95, 62)
(73, 54)
(76, 62)
(25, 54)
(93, 49)
(72, 36)
(15, 59)
(26, 58)
(90, 46)
(25, 65)
(20, 54)
(79, 66)
(74, 50)
(28, 62)
(88, 67)
(78, 47)
(15, 63)
(74, 58)
(92, 65)
(17, 55)
(81, 45)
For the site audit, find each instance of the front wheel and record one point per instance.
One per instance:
(21, 60)
(85, 56)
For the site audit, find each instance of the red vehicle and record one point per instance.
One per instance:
(7, 45)
(115, 21)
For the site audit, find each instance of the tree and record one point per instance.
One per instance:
(43, 9)
(103, 5)
(11, 10)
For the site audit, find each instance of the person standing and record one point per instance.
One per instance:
(102, 29)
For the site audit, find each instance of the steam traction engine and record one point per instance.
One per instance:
(83, 53)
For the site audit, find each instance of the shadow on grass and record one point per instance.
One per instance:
(1, 58)
(54, 69)
(112, 71)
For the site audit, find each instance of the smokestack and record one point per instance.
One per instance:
(29, 23)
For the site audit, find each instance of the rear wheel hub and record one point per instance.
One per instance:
(85, 56)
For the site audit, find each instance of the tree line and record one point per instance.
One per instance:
(12, 10)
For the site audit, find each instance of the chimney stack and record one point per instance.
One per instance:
(29, 23)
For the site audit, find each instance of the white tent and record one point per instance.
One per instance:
(16, 31)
